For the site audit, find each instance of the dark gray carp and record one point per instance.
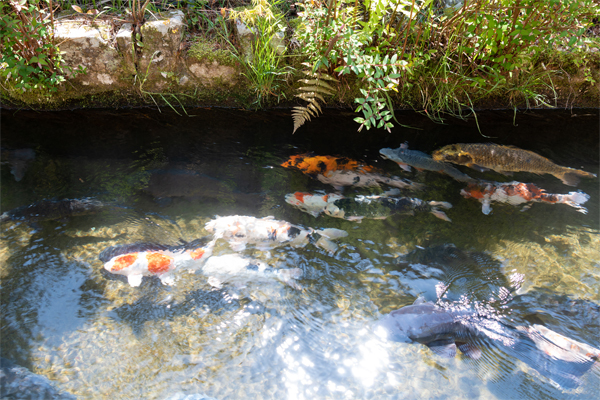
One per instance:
(406, 158)
(439, 329)
(558, 358)
(53, 209)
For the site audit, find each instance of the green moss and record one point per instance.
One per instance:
(204, 50)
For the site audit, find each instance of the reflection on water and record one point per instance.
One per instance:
(159, 178)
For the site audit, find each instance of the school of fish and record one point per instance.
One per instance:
(444, 330)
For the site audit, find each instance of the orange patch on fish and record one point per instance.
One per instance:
(124, 261)
(475, 193)
(300, 196)
(158, 263)
(322, 164)
(197, 254)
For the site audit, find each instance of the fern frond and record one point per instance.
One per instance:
(316, 89)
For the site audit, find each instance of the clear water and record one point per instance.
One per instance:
(162, 177)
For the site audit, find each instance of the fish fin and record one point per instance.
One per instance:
(404, 145)
(354, 219)
(332, 233)
(470, 350)
(237, 247)
(478, 167)
(507, 173)
(569, 179)
(215, 282)
(134, 280)
(326, 244)
(526, 207)
(420, 300)
(446, 350)
(405, 167)
(443, 204)
(289, 276)
(420, 169)
(167, 279)
(440, 214)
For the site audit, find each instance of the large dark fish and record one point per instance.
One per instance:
(507, 159)
(53, 209)
(443, 330)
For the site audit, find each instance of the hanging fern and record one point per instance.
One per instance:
(314, 91)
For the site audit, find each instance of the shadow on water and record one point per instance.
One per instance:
(161, 177)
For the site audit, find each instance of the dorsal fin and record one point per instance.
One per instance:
(420, 300)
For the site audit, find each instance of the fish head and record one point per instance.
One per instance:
(388, 154)
(121, 264)
(423, 323)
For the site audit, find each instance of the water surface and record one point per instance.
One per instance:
(162, 177)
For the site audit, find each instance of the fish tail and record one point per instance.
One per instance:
(289, 276)
(576, 199)
(571, 177)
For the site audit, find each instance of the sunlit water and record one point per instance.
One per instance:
(162, 177)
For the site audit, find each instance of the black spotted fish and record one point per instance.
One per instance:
(516, 193)
(267, 233)
(341, 171)
(360, 207)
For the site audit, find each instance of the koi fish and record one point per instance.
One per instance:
(406, 158)
(232, 267)
(18, 159)
(148, 259)
(355, 209)
(341, 171)
(267, 233)
(519, 193)
(444, 330)
(53, 209)
(507, 159)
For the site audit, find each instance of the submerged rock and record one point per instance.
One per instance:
(20, 383)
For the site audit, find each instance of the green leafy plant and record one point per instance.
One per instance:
(314, 91)
(29, 57)
(263, 66)
(438, 60)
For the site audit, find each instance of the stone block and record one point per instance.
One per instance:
(89, 45)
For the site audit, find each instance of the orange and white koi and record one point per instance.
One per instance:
(267, 233)
(359, 207)
(516, 193)
(342, 171)
(143, 259)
